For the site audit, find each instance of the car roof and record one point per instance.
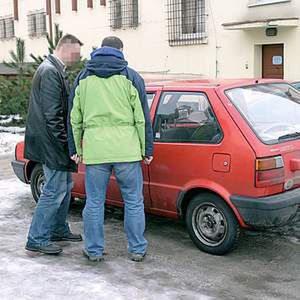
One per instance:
(206, 83)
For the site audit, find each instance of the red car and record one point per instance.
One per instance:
(227, 156)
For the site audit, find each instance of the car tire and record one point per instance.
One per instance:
(212, 225)
(37, 181)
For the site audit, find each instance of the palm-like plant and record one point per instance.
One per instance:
(18, 58)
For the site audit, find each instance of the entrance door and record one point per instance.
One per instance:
(272, 61)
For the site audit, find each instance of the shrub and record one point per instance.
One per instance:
(14, 96)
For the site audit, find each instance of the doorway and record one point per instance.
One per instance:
(272, 61)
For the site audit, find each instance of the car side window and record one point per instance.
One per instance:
(150, 98)
(186, 117)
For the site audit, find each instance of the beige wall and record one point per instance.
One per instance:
(236, 53)
(33, 45)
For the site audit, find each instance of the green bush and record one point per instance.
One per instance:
(14, 96)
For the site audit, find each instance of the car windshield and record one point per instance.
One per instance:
(272, 110)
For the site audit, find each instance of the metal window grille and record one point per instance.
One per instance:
(7, 28)
(2, 29)
(186, 22)
(37, 23)
(124, 14)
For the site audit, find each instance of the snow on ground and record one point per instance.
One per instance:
(12, 129)
(8, 141)
(13, 189)
(8, 119)
(69, 275)
(265, 265)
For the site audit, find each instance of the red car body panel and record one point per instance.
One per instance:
(226, 168)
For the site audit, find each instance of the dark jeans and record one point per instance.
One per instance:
(50, 215)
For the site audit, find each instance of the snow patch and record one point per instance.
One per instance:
(8, 119)
(8, 142)
(13, 189)
(12, 129)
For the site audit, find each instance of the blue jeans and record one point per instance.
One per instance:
(130, 179)
(49, 219)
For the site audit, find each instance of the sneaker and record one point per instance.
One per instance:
(50, 249)
(71, 237)
(91, 257)
(137, 257)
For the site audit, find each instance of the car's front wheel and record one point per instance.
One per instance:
(211, 224)
(37, 181)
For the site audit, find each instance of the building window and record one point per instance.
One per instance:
(265, 2)
(37, 23)
(124, 14)
(186, 22)
(7, 28)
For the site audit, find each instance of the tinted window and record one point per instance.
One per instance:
(186, 118)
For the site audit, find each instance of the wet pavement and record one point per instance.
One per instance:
(265, 265)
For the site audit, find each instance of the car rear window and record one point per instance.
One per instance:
(272, 110)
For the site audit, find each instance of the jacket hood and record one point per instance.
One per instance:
(106, 62)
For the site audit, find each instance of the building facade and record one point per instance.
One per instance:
(207, 38)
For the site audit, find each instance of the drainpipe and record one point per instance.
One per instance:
(16, 10)
(49, 13)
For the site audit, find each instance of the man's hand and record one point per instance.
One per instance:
(76, 158)
(148, 160)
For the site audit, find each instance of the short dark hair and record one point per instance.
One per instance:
(112, 41)
(68, 39)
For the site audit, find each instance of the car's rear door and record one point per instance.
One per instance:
(187, 135)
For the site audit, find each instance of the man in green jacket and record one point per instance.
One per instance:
(111, 130)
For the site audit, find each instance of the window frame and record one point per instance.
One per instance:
(40, 30)
(161, 96)
(120, 18)
(5, 21)
(175, 22)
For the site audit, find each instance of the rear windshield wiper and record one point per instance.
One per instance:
(289, 136)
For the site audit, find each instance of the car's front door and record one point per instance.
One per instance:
(113, 193)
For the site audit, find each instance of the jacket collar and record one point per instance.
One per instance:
(57, 63)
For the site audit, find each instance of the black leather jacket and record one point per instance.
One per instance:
(46, 127)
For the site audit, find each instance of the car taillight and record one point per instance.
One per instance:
(19, 151)
(269, 171)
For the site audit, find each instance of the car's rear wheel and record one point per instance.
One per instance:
(37, 181)
(211, 224)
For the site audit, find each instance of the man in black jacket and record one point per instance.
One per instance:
(46, 143)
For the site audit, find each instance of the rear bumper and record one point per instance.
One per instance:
(19, 169)
(268, 211)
